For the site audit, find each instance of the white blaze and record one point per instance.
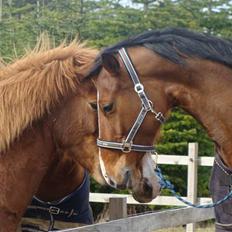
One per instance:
(102, 165)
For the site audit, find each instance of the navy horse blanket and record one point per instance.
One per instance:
(220, 186)
(72, 211)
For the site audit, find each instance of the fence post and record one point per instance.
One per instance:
(117, 207)
(192, 178)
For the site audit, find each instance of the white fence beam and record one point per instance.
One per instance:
(183, 160)
(160, 200)
(150, 222)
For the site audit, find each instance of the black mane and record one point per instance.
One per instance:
(170, 43)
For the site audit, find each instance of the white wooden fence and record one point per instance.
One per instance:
(168, 218)
(150, 222)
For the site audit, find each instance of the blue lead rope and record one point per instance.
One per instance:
(166, 184)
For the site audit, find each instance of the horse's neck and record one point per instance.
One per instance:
(62, 178)
(22, 167)
(209, 100)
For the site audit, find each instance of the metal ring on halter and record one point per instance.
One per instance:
(139, 88)
(151, 107)
(126, 147)
(158, 115)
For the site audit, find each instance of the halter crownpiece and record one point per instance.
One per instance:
(147, 106)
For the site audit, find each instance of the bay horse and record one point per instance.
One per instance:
(148, 75)
(46, 114)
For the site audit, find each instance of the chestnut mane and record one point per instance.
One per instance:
(30, 86)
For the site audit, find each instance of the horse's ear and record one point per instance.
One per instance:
(110, 63)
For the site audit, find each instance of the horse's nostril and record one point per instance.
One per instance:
(128, 179)
(147, 187)
(127, 173)
(107, 108)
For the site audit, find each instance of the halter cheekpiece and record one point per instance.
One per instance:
(147, 106)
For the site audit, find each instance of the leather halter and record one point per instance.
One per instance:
(147, 106)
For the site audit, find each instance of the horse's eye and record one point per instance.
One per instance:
(107, 108)
(93, 105)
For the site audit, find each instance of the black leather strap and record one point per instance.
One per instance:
(139, 89)
(120, 146)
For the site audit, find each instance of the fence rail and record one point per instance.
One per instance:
(151, 222)
(160, 200)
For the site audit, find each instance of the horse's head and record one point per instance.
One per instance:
(76, 129)
(125, 164)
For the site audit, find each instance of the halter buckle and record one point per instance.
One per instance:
(159, 116)
(139, 88)
(54, 210)
(126, 147)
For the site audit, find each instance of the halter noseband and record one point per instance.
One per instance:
(147, 106)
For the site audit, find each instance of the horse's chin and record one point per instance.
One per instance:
(143, 198)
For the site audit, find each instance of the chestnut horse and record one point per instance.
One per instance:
(64, 187)
(46, 121)
(46, 114)
(151, 73)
